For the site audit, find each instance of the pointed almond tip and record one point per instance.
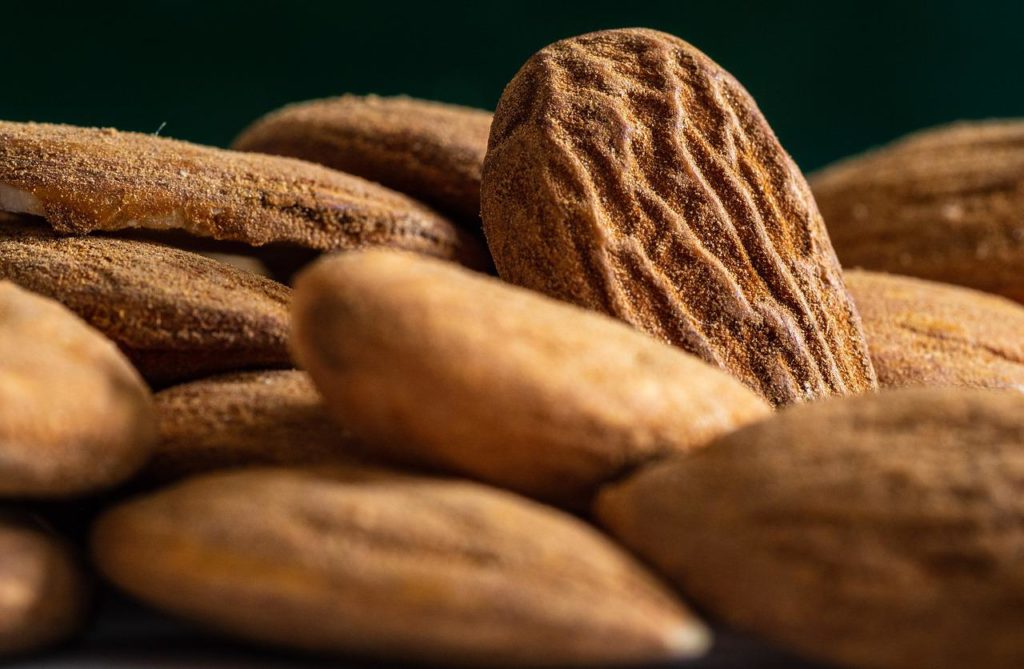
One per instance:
(689, 640)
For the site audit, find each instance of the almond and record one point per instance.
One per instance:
(250, 418)
(431, 150)
(434, 365)
(75, 417)
(944, 204)
(923, 333)
(884, 531)
(630, 174)
(351, 560)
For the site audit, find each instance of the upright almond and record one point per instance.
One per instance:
(629, 173)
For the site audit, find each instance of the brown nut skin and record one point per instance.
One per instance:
(630, 174)
(91, 179)
(175, 314)
(924, 333)
(75, 417)
(244, 419)
(45, 593)
(430, 150)
(883, 531)
(434, 365)
(943, 204)
(356, 561)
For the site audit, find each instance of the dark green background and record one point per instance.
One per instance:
(831, 78)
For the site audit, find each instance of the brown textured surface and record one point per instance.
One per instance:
(945, 204)
(881, 531)
(431, 150)
(87, 179)
(43, 591)
(431, 364)
(176, 314)
(358, 561)
(630, 174)
(252, 418)
(923, 333)
(74, 415)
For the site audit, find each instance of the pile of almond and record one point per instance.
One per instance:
(672, 397)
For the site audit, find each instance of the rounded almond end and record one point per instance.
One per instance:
(689, 640)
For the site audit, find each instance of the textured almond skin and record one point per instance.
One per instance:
(75, 417)
(923, 333)
(44, 592)
(434, 365)
(88, 179)
(403, 568)
(630, 174)
(175, 314)
(944, 204)
(431, 150)
(883, 531)
(251, 418)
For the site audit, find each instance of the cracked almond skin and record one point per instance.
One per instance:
(883, 531)
(358, 561)
(75, 417)
(630, 174)
(244, 419)
(176, 315)
(944, 204)
(924, 333)
(44, 591)
(432, 365)
(430, 150)
(84, 180)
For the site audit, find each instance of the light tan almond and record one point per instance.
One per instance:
(884, 531)
(75, 417)
(630, 174)
(251, 418)
(431, 150)
(945, 204)
(923, 333)
(350, 560)
(175, 314)
(435, 365)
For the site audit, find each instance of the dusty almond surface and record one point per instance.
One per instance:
(43, 592)
(397, 567)
(75, 417)
(177, 315)
(249, 418)
(87, 179)
(944, 204)
(431, 150)
(435, 365)
(630, 174)
(923, 333)
(884, 531)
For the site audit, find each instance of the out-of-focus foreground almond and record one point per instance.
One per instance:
(405, 568)
(630, 174)
(923, 333)
(882, 531)
(945, 204)
(432, 364)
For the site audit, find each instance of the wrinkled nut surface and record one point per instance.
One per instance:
(405, 568)
(630, 174)
(89, 179)
(431, 150)
(944, 204)
(43, 592)
(882, 531)
(250, 418)
(435, 365)
(75, 417)
(176, 315)
(923, 333)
